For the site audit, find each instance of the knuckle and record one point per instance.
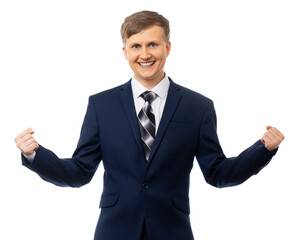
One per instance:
(22, 148)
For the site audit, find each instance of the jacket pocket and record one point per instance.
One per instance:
(181, 203)
(109, 200)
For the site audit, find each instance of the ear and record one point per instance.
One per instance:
(168, 48)
(125, 53)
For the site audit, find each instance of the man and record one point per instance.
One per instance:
(147, 133)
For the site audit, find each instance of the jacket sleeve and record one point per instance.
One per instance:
(79, 169)
(219, 170)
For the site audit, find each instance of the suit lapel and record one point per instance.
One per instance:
(172, 101)
(129, 108)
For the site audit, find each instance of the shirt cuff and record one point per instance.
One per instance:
(30, 158)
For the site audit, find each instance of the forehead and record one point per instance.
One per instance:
(153, 33)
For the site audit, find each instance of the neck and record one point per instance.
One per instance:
(151, 83)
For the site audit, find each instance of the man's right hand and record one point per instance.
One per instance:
(26, 143)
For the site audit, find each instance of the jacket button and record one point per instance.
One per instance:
(145, 186)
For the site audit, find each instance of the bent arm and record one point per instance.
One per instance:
(219, 170)
(79, 169)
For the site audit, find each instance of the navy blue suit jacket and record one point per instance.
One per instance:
(156, 192)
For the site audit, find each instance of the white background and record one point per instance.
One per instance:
(244, 55)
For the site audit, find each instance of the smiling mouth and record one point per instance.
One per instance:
(146, 64)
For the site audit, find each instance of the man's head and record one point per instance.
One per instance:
(146, 46)
(139, 21)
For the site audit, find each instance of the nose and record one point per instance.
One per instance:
(145, 54)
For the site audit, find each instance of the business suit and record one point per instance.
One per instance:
(155, 192)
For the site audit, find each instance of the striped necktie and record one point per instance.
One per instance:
(147, 122)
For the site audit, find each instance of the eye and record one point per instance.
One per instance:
(136, 46)
(152, 45)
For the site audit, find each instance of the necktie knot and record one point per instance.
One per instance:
(149, 96)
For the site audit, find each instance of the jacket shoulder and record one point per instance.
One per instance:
(193, 96)
(107, 93)
(109, 96)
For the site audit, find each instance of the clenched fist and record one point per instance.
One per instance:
(272, 138)
(26, 143)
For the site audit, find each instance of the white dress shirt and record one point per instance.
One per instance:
(161, 89)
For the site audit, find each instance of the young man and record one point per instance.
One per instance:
(147, 132)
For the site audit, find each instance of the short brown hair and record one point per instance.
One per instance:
(139, 21)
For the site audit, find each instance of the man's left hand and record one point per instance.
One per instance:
(272, 138)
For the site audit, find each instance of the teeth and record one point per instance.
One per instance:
(146, 64)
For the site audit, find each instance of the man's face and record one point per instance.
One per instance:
(146, 53)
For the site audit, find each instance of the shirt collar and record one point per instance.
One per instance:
(161, 89)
